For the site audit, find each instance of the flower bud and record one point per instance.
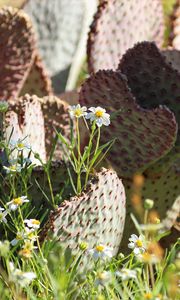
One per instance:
(148, 204)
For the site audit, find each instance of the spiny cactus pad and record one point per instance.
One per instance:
(58, 25)
(118, 25)
(37, 118)
(96, 216)
(17, 51)
(25, 118)
(143, 136)
(38, 82)
(152, 80)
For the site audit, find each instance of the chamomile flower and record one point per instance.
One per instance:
(137, 244)
(77, 111)
(16, 202)
(3, 214)
(126, 274)
(27, 249)
(19, 277)
(19, 237)
(20, 145)
(32, 223)
(99, 115)
(103, 278)
(100, 251)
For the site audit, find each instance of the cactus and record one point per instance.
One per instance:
(96, 216)
(37, 118)
(21, 68)
(38, 82)
(17, 51)
(138, 145)
(173, 57)
(118, 25)
(133, 103)
(61, 27)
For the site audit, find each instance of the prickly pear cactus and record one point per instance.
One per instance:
(38, 82)
(96, 216)
(143, 136)
(173, 57)
(37, 118)
(61, 28)
(17, 45)
(118, 25)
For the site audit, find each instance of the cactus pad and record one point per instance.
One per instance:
(25, 118)
(96, 216)
(37, 118)
(58, 25)
(17, 51)
(143, 136)
(173, 57)
(118, 25)
(37, 83)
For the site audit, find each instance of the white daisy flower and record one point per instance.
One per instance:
(3, 214)
(100, 251)
(20, 144)
(27, 234)
(137, 244)
(103, 278)
(32, 223)
(126, 274)
(99, 115)
(20, 277)
(16, 202)
(14, 168)
(19, 237)
(77, 111)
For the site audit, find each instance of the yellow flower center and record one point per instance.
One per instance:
(78, 112)
(13, 168)
(99, 248)
(99, 113)
(18, 237)
(20, 145)
(139, 243)
(148, 296)
(26, 252)
(31, 235)
(102, 276)
(17, 201)
(146, 257)
(35, 222)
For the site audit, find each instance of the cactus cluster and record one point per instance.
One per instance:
(118, 25)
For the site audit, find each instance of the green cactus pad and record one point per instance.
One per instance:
(37, 118)
(118, 25)
(38, 82)
(96, 216)
(143, 136)
(17, 51)
(58, 25)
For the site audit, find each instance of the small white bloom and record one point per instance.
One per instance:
(14, 168)
(20, 277)
(137, 244)
(100, 251)
(99, 115)
(103, 278)
(126, 274)
(3, 214)
(32, 223)
(20, 145)
(77, 111)
(16, 202)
